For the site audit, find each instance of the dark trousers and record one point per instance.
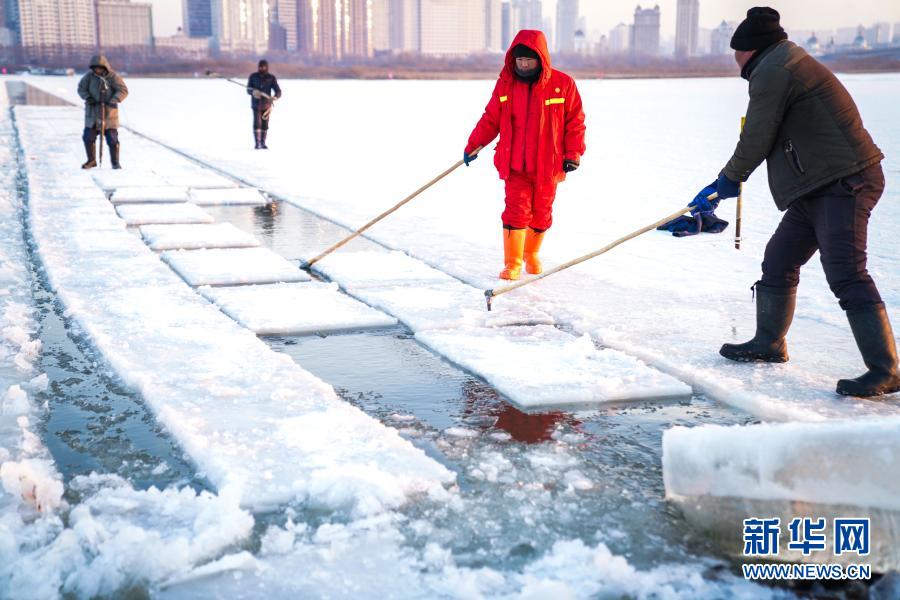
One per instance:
(261, 118)
(90, 135)
(833, 220)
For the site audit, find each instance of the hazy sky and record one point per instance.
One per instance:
(605, 14)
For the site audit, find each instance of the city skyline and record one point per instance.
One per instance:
(603, 16)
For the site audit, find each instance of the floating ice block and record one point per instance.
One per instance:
(213, 197)
(163, 214)
(232, 266)
(194, 237)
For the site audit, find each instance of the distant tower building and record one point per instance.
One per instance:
(720, 39)
(813, 46)
(878, 34)
(241, 26)
(645, 32)
(197, 18)
(525, 14)
(381, 25)
(49, 28)
(283, 26)
(506, 25)
(566, 25)
(493, 26)
(860, 43)
(451, 28)
(356, 28)
(896, 39)
(124, 24)
(687, 24)
(404, 25)
(619, 38)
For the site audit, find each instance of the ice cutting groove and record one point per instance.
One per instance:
(247, 416)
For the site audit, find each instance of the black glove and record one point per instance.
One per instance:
(570, 165)
(91, 102)
(112, 105)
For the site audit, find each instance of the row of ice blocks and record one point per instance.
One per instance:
(516, 347)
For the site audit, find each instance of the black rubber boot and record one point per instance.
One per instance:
(262, 139)
(774, 313)
(875, 339)
(90, 148)
(257, 134)
(114, 156)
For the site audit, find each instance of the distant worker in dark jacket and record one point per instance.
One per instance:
(825, 172)
(102, 89)
(263, 86)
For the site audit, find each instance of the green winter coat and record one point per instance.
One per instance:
(803, 123)
(94, 90)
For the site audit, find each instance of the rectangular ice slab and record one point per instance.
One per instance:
(376, 268)
(111, 180)
(195, 237)
(213, 197)
(148, 194)
(163, 214)
(446, 305)
(295, 308)
(853, 463)
(542, 367)
(232, 266)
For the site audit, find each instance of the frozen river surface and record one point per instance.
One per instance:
(544, 504)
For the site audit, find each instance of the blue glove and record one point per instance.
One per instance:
(701, 202)
(727, 188)
(467, 158)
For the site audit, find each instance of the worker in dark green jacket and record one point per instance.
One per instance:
(825, 172)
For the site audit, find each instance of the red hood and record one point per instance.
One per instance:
(536, 41)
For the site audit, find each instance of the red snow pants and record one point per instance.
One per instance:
(528, 202)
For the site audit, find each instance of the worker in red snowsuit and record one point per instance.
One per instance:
(537, 112)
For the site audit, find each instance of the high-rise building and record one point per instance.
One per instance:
(283, 25)
(197, 18)
(720, 39)
(687, 24)
(451, 27)
(381, 25)
(404, 25)
(356, 28)
(566, 25)
(241, 26)
(181, 46)
(619, 39)
(896, 38)
(525, 14)
(878, 34)
(506, 25)
(50, 28)
(124, 24)
(493, 26)
(645, 32)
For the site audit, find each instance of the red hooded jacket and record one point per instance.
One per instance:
(553, 100)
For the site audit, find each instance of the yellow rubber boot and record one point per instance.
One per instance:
(533, 241)
(513, 249)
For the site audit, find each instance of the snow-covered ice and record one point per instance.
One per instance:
(196, 237)
(252, 420)
(232, 266)
(146, 195)
(371, 268)
(213, 197)
(670, 302)
(851, 463)
(541, 366)
(163, 214)
(295, 308)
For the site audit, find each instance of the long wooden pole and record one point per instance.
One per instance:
(491, 294)
(739, 208)
(385, 214)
